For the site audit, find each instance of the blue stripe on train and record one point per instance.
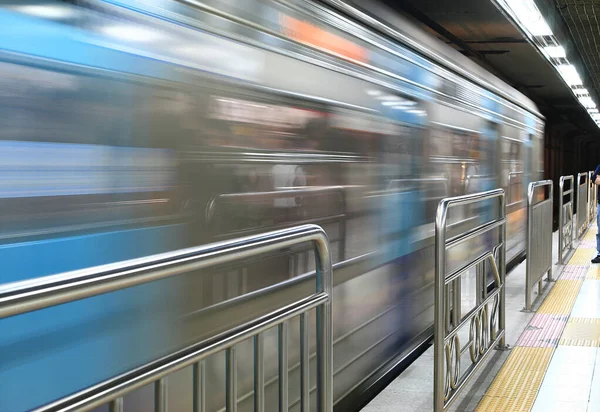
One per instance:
(52, 353)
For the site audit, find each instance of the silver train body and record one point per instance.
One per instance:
(228, 118)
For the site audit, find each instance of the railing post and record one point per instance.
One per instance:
(565, 222)
(324, 331)
(582, 204)
(486, 331)
(502, 269)
(440, 308)
(539, 239)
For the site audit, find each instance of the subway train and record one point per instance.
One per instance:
(135, 127)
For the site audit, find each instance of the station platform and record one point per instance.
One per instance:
(553, 363)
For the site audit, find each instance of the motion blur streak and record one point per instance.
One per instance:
(134, 127)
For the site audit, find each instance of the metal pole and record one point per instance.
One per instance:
(304, 365)
(283, 367)
(549, 249)
(529, 249)
(259, 374)
(160, 395)
(116, 405)
(502, 260)
(199, 387)
(231, 384)
(440, 306)
(561, 217)
(324, 329)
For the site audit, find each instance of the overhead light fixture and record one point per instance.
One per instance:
(587, 102)
(529, 17)
(581, 92)
(569, 74)
(555, 52)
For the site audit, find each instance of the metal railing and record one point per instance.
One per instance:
(539, 238)
(592, 198)
(565, 217)
(26, 296)
(582, 204)
(486, 328)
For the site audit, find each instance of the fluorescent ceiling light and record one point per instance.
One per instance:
(587, 102)
(131, 33)
(581, 92)
(569, 74)
(47, 11)
(556, 52)
(593, 111)
(529, 17)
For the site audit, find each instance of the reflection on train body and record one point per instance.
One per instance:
(124, 134)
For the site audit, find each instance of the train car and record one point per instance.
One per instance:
(134, 127)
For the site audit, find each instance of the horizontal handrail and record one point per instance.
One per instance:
(25, 296)
(29, 295)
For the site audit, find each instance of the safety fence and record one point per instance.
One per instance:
(592, 198)
(486, 320)
(582, 204)
(27, 296)
(539, 237)
(565, 217)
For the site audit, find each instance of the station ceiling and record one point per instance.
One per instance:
(581, 18)
(479, 30)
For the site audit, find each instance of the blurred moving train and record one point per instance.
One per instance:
(134, 127)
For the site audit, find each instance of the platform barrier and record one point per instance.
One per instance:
(27, 296)
(486, 321)
(582, 204)
(565, 218)
(592, 198)
(539, 237)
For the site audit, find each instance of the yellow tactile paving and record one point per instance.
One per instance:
(591, 233)
(561, 298)
(517, 384)
(581, 332)
(593, 272)
(582, 257)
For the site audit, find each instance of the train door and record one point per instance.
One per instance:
(512, 175)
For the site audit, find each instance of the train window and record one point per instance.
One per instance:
(68, 156)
